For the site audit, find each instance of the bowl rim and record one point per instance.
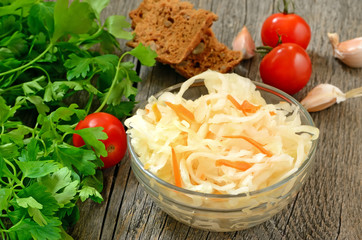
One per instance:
(259, 85)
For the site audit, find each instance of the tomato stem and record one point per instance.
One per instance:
(286, 6)
(263, 50)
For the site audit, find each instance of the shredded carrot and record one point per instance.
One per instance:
(193, 182)
(233, 101)
(248, 107)
(217, 199)
(210, 135)
(182, 112)
(176, 168)
(245, 107)
(240, 165)
(157, 112)
(272, 113)
(254, 143)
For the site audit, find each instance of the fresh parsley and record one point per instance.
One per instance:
(47, 59)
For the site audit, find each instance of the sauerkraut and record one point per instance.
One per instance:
(228, 141)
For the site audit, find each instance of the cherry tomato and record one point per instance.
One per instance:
(116, 143)
(286, 67)
(290, 27)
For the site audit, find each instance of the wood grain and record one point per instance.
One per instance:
(329, 204)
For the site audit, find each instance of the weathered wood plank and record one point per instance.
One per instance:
(328, 206)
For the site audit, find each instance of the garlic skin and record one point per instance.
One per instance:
(322, 97)
(349, 52)
(244, 43)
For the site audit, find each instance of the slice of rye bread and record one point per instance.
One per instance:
(209, 54)
(170, 27)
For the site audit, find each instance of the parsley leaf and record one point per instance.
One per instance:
(68, 20)
(144, 54)
(116, 25)
(15, 43)
(37, 169)
(78, 66)
(28, 229)
(98, 6)
(82, 159)
(91, 188)
(4, 198)
(60, 185)
(28, 202)
(37, 216)
(41, 18)
(122, 109)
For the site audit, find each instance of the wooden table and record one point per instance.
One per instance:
(329, 204)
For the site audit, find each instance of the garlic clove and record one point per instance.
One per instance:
(322, 97)
(349, 52)
(244, 43)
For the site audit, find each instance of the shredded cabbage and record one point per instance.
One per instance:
(220, 146)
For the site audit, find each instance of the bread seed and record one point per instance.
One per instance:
(199, 48)
(167, 23)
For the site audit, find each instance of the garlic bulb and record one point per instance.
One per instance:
(244, 43)
(349, 52)
(325, 95)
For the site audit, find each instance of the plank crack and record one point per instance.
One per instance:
(188, 231)
(235, 234)
(290, 215)
(138, 67)
(339, 221)
(163, 227)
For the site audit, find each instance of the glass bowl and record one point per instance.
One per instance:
(226, 212)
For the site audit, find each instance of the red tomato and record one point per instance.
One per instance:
(291, 27)
(116, 143)
(287, 67)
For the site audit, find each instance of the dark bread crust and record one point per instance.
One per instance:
(209, 54)
(171, 28)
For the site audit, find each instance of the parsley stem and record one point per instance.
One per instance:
(95, 35)
(13, 175)
(2, 226)
(4, 183)
(19, 86)
(15, 225)
(91, 95)
(29, 63)
(89, 103)
(11, 165)
(39, 68)
(33, 132)
(19, 183)
(2, 234)
(113, 83)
